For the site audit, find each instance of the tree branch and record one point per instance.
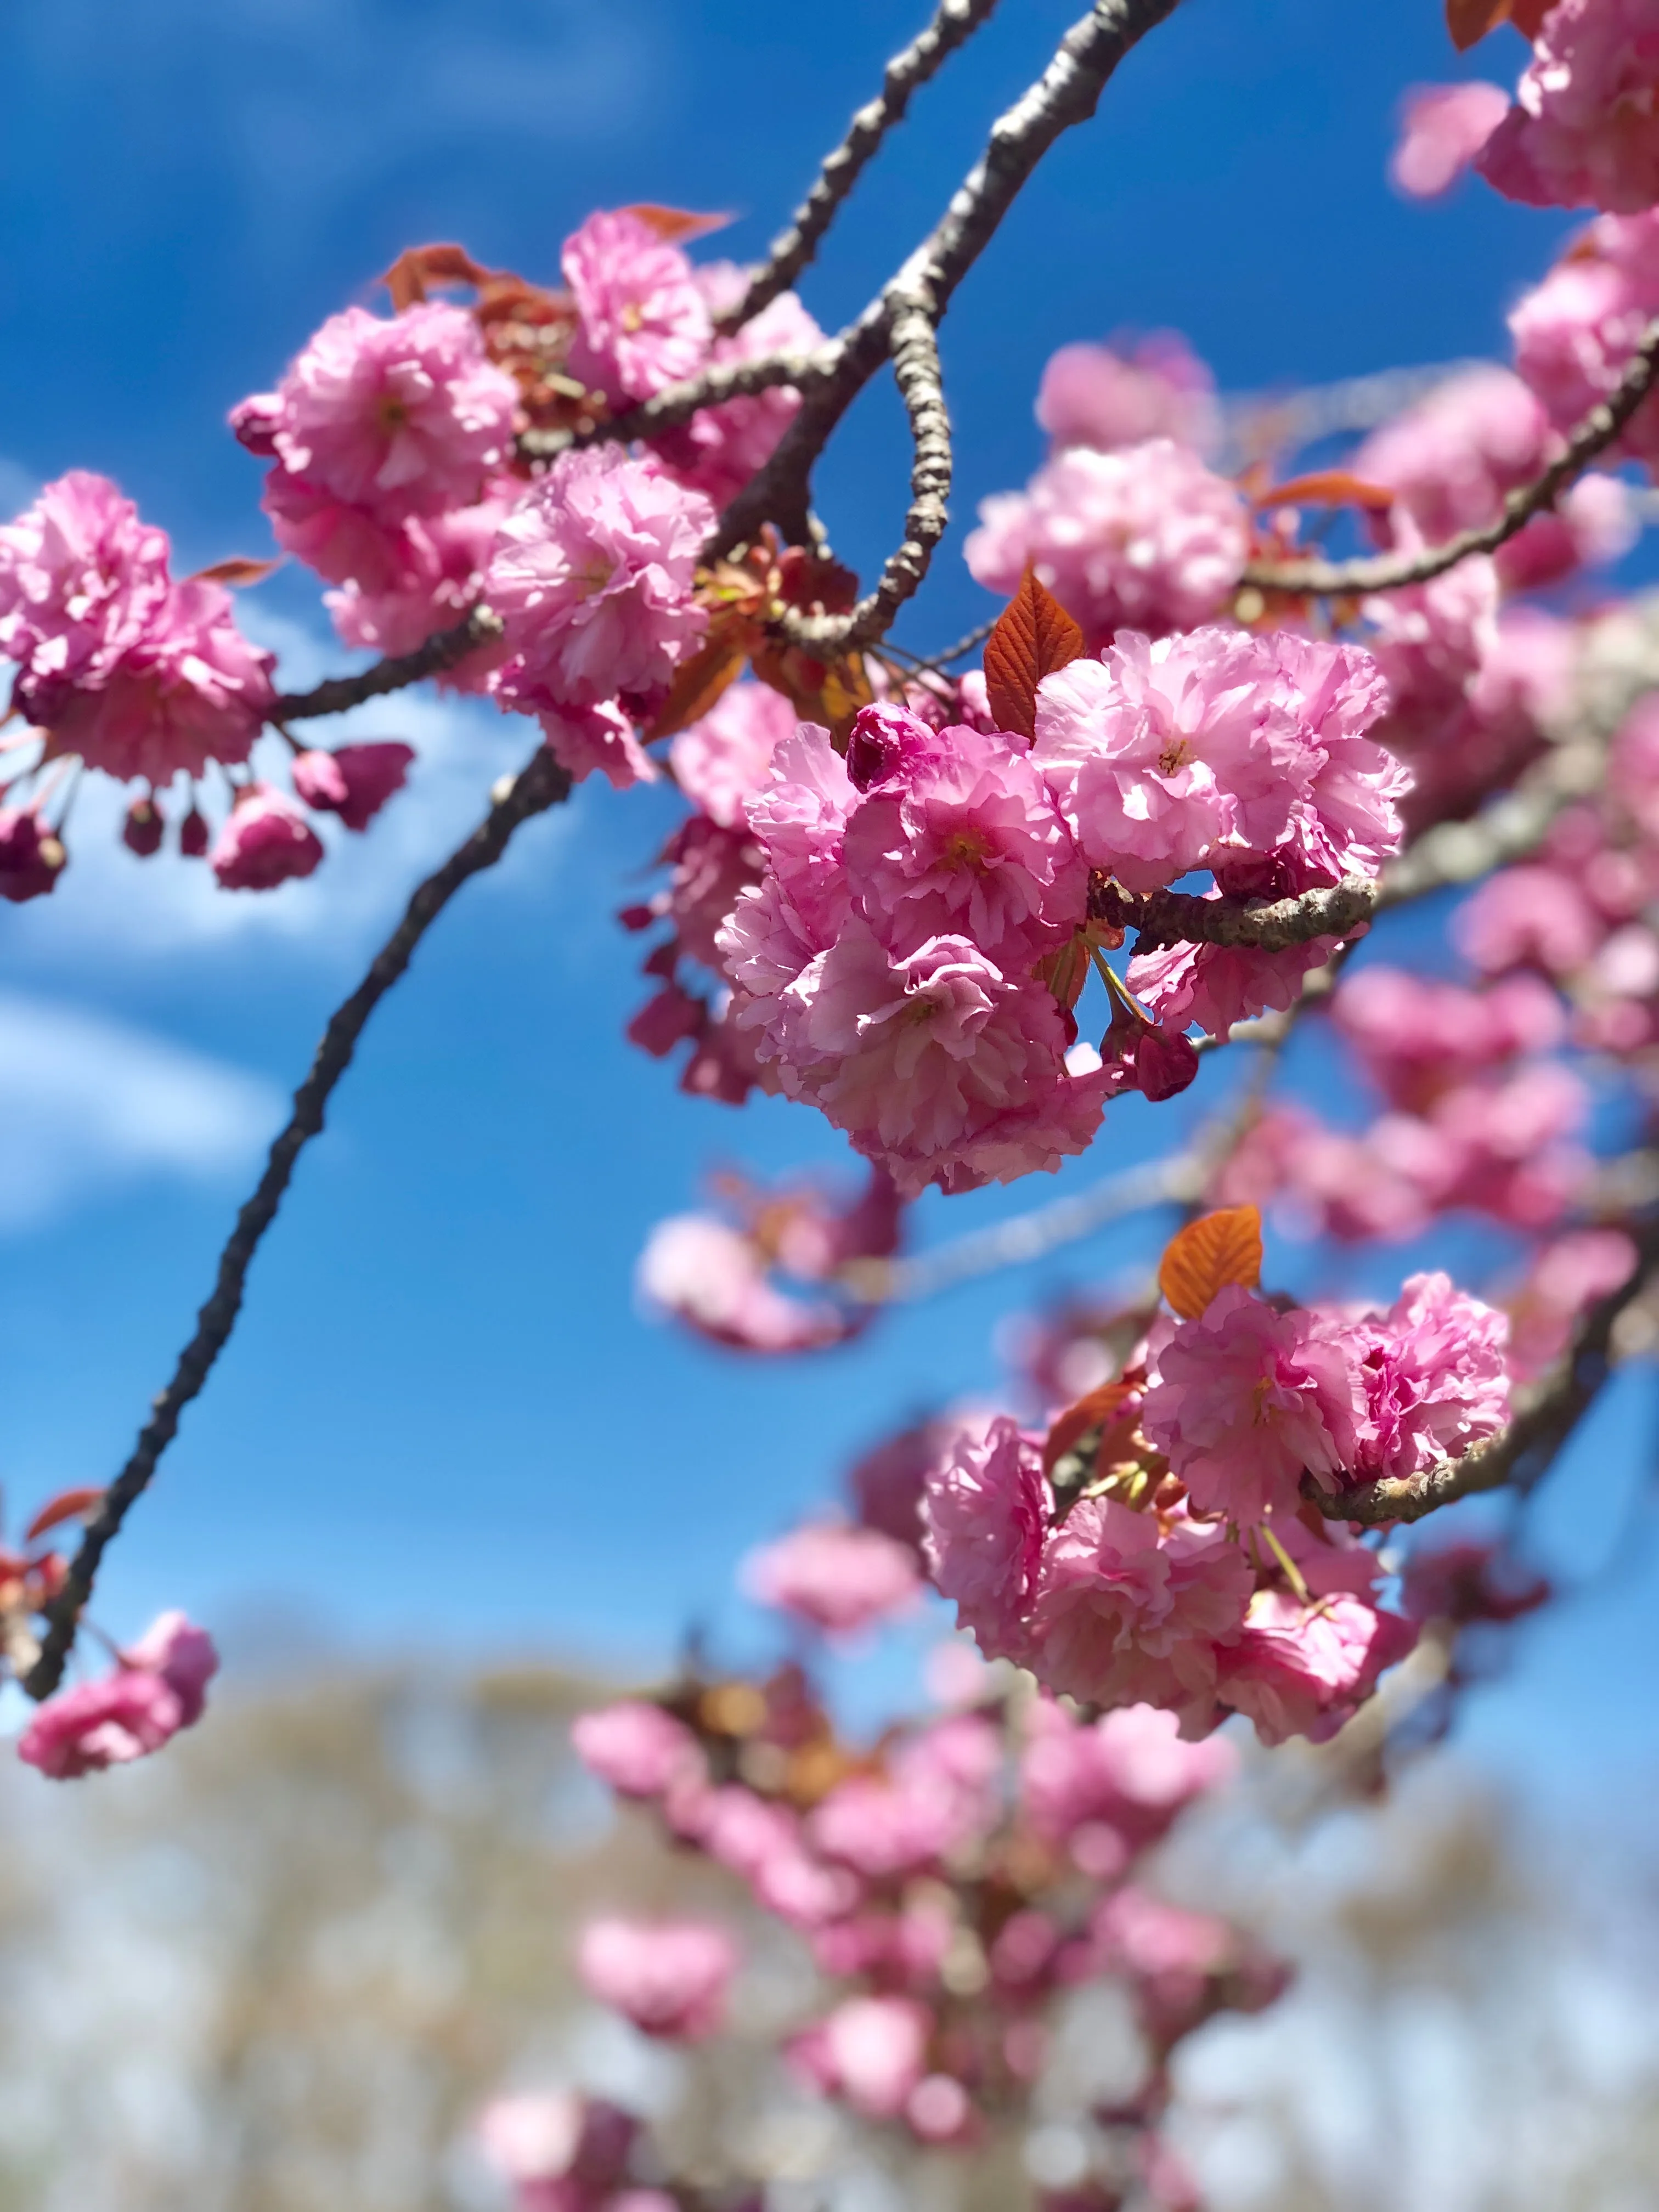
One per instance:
(1545, 1416)
(1383, 572)
(439, 652)
(678, 403)
(953, 24)
(540, 784)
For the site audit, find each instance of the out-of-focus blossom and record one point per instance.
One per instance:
(721, 447)
(1145, 536)
(355, 781)
(840, 1578)
(641, 320)
(636, 1747)
(1567, 1277)
(265, 842)
(32, 855)
(720, 761)
(1574, 333)
(669, 1977)
(1442, 128)
(871, 2050)
(1107, 396)
(1583, 130)
(1129, 1771)
(712, 1277)
(158, 1687)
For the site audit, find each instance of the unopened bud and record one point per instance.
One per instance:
(141, 833)
(193, 835)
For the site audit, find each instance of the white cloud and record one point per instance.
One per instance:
(88, 1103)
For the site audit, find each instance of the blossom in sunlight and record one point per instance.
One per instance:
(870, 2050)
(669, 1977)
(722, 760)
(1145, 536)
(1247, 1399)
(354, 781)
(1584, 130)
(985, 1506)
(591, 575)
(1435, 1377)
(1574, 333)
(636, 1747)
(721, 447)
(421, 577)
(839, 1579)
(392, 418)
(158, 1687)
(1303, 1670)
(641, 320)
(1107, 396)
(265, 842)
(1442, 127)
(714, 1279)
(1130, 1772)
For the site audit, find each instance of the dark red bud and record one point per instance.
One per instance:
(141, 833)
(193, 835)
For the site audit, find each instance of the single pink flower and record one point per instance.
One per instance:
(185, 1657)
(839, 1579)
(985, 1507)
(265, 842)
(599, 740)
(712, 1277)
(1442, 128)
(669, 1977)
(636, 1747)
(1574, 333)
(1584, 130)
(158, 1687)
(422, 577)
(1145, 536)
(641, 320)
(1303, 1670)
(1246, 1399)
(1130, 1770)
(1434, 1378)
(395, 418)
(591, 574)
(1107, 396)
(355, 781)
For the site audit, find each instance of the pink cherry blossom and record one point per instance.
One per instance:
(669, 1977)
(598, 739)
(969, 841)
(591, 575)
(985, 1506)
(839, 1579)
(1246, 1399)
(184, 1656)
(1416, 1034)
(158, 1687)
(1583, 129)
(265, 842)
(636, 1747)
(1567, 1276)
(1129, 1607)
(80, 580)
(1129, 1770)
(1574, 333)
(1434, 1378)
(1528, 917)
(641, 320)
(1145, 536)
(799, 817)
(1211, 986)
(722, 760)
(1442, 128)
(935, 1798)
(418, 579)
(1107, 396)
(395, 418)
(354, 781)
(871, 2050)
(1454, 454)
(721, 447)
(713, 1278)
(1303, 1670)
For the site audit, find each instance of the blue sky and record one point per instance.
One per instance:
(441, 1419)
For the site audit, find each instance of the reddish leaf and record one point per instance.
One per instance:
(1469, 21)
(672, 225)
(1066, 971)
(1208, 1255)
(238, 570)
(1034, 636)
(419, 267)
(68, 1505)
(1328, 487)
(701, 680)
(846, 689)
(1528, 15)
(1091, 1411)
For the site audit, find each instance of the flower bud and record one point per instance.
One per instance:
(141, 833)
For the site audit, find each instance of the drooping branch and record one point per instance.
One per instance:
(1383, 572)
(1545, 1416)
(953, 24)
(540, 784)
(336, 693)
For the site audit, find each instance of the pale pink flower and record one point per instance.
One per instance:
(1107, 396)
(80, 580)
(376, 561)
(985, 1506)
(436, 566)
(1454, 454)
(1137, 1933)
(1211, 986)
(669, 1977)
(641, 320)
(1145, 536)
(531, 2141)
(1566, 1277)
(871, 2050)
(1347, 822)
(1574, 333)
(799, 817)
(265, 842)
(1416, 1034)
(1129, 1607)
(721, 447)
(1442, 128)
(938, 2110)
(1246, 1399)
(971, 843)
(157, 1688)
(591, 574)
(396, 418)
(1584, 130)
(722, 760)
(636, 1747)
(1129, 1770)
(1303, 1670)
(839, 1579)
(1434, 1378)
(1527, 916)
(713, 1278)
(355, 781)
(598, 738)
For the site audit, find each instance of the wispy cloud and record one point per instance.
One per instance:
(88, 1105)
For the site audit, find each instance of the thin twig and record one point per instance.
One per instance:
(939, 662)
(955, 22)
(1383, 572)
(1545, 1418)
(541, 784)
(336, 693)
(678, 403)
